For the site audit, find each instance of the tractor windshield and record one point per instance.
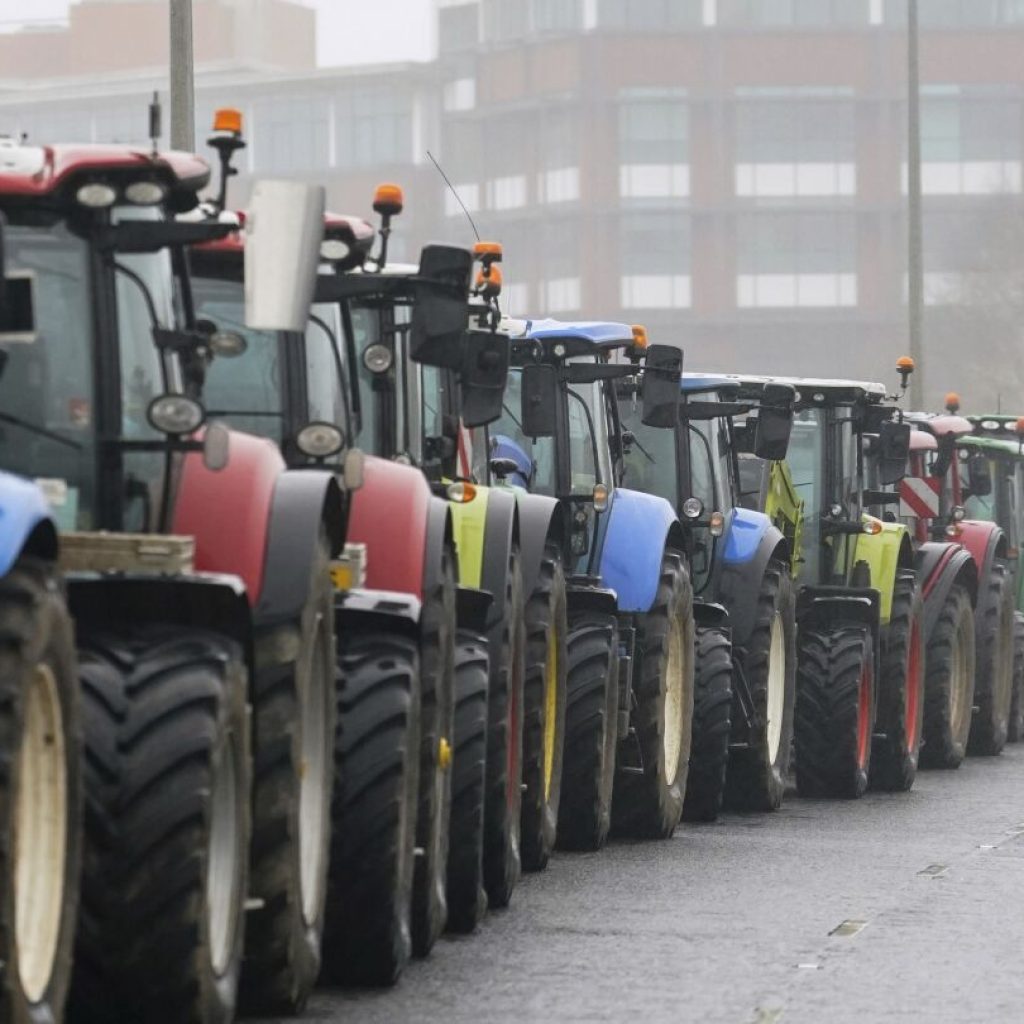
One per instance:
(589, 456)
(805, 463)
(534, 458)
(648, 453)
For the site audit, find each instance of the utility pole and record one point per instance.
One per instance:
(182, 77)
(915, 261)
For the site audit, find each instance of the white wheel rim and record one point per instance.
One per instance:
(312, 792)
(776, 696)
(958, 683)
(672, 741)
(224, 857)
(40, 841)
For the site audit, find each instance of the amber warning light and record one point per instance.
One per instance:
(227, 119)
(388, 200)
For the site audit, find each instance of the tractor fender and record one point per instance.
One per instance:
(886, 553)
(939, 566)
(586, 598)
(27, 524)
(304, 501)
(361, 610)
(834, 606)
(101, 601)
(750, 542)
(711, 615)
(476, 522)
(501, 531)
(986, 542)
(390, 514)
(439, 535)
(640, 528)
(541, 519)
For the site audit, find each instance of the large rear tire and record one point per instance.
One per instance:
(758, 774)
(467, 900)
(294, 711)
(712, 725)
(993, 679)
(41, 782)
(368, 934)
(834, 712)
(648, 802)
(503, 808)
(437, 733)
(1015, 730)
(591, 730)
(949, 682)
(544, 695)
(169, 786)
(897, 745)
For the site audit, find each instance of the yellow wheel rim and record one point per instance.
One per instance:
(550, 710)
(41, 815)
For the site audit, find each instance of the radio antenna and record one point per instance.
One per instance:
(458, 198)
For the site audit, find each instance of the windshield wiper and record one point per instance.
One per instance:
(33, 428)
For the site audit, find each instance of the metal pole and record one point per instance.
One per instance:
(182, 76)
(915, 262)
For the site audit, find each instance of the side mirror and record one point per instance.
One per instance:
(659, 392)
(483, 375)
(540, 400)
(979, 476)
(774, 422)
(283, 230)
(441, 306)
(893, 451)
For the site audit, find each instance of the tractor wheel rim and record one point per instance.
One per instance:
(513, 791)
(312, 792)
(864, 717)
(225, 855)
(913, 702)
(1004, 664)
(776, 696)
(551, 673)
(960, 673)
(672, 740)
(40, 841)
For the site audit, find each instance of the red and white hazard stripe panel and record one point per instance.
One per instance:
(920, 498)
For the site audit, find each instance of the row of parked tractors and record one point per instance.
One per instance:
(332, 599)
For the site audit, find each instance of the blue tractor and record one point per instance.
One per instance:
(631, 632)
(40, 759)
(741, 565)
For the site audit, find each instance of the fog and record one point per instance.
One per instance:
(731, 173)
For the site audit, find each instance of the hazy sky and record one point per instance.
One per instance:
(349, 31)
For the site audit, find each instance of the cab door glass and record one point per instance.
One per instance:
(582, 446)
(805, 463)
(534, 458)
(325, 384)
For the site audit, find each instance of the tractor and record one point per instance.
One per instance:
(197, 575)
(41, 790)
(741, 565)
(631, 634)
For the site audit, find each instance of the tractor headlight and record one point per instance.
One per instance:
(145, 193)
(320, 440)
(334, 249)
(693, 508)
(175, 414)
(377, 358)
(97, 195)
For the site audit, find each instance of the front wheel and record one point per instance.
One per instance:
(835, 712)
(648, 800)
(993, 680)
(40, 795)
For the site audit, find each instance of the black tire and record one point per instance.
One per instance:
(758, 775)
(503, 807)
(834, 715)
(467, 900)
(1015, 729)
(993, 679)
(37, 662)
(544, 693)
(900, 722)
(437, 730)
(712, 724)
(591, 731)
(368, 932)
(949, 682)
(295, 703)
(648, 803)
(165, 712)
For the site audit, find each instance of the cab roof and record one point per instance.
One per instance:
(698, 383)
(997, 446)
(811, 391)
(940, 424)
(594, 332)
(922, 441)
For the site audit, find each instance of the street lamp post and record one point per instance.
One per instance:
(182, 76)
(915, 261)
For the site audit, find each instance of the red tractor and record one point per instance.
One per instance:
(197, 574)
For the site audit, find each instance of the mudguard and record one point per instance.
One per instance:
(304, 500)
(359, 610)
(939, 566)
(985, 541)
(540, 518)
(750, 542)
(500, 532)
(228, 511)
(100, 601)
(473, 609)
(817, 606)
(711, 615)
(25, 522)
(886, 552)
(640, 527)
(471, 521)
(439, 535)
(390, 515)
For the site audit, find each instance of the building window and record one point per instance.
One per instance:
(796, 259)
(555, 15)
(655, 260)
(971, 257)
(460, 94)
(290, 134)
(373, 128)
(458, 27)
(558, 269)
(507, 193)
(650, 15)
(469, 193)
(559, 186)
(562, 295)
(793, 13)
(957, 13)
(654, 133)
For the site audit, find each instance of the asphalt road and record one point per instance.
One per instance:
(893, 908)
